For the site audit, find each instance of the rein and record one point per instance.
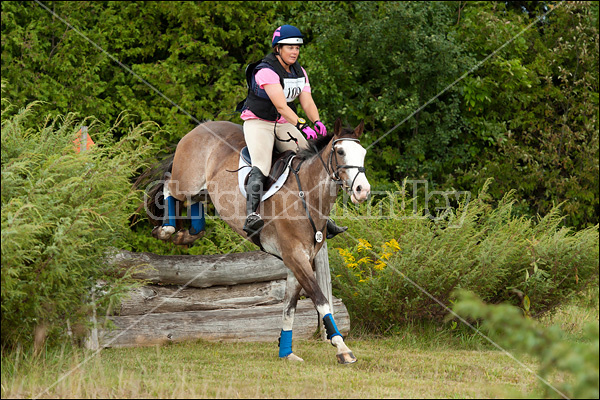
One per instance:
(318, 233)
(335, 177)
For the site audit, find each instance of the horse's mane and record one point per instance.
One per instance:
(316, 145)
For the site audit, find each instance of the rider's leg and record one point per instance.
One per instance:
(259, 139)
(254, 192)
(302, 143)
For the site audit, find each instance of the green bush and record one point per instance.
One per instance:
(219, 239)
(398, 263)
(507, 327)
(61, 212)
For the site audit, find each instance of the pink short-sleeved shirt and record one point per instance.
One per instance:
(267, 76)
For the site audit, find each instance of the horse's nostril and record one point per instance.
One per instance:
(358, 188)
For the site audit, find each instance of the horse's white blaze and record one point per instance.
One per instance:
(354, 155)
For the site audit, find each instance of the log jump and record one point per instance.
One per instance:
(233, 297)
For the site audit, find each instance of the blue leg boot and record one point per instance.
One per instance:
(185, 237)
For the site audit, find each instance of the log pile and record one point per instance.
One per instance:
(233, 297)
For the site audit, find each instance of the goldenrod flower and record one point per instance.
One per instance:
(393, 245)
(364, 245)
(379, 265)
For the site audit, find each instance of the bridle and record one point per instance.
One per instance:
(333, 174)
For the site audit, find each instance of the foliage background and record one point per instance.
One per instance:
(528, 116)
(453, 93)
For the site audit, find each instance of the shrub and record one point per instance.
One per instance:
(399, 264)
(61, 212)
(577, 361)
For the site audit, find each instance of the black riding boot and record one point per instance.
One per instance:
(254, 192)
(333, 229)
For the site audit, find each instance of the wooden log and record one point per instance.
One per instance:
(163, 299)
(202, 271)
(252, 324)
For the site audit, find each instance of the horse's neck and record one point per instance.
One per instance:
(318, 181)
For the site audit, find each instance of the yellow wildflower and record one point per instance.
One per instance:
(343, 252)
(364, 260)
(393, 245)
(379, 265)
(364, 245)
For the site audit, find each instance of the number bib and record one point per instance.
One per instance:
(292, 87)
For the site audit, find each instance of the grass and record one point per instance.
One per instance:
(418, 361)
(385, 368)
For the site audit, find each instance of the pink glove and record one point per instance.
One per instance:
(320, 128)
(309, 132)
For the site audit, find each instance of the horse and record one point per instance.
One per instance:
(204, 167)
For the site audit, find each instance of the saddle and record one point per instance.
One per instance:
(277, 176)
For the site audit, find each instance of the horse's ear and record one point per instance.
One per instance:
(337, 127)
(359, 129)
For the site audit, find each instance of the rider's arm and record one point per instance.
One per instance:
(277, 97)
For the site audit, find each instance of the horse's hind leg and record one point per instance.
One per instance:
(166, 230)
(292, 293)
(196, 231)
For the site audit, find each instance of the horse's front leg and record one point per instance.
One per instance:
(290, 300)
(301, 266)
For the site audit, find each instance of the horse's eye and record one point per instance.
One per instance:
(340, 152)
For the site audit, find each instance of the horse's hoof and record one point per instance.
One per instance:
(183, 237)
(163, 232)
(346, 358)
(293, 357)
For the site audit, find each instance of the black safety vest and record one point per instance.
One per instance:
(258, 101)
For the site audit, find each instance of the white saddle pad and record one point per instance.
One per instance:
(245, 170)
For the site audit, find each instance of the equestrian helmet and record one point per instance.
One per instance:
(287, 34)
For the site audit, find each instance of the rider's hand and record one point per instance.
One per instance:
(309, 132)
(320, 128)
(303, 127)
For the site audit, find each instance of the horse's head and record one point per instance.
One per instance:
(348, 161)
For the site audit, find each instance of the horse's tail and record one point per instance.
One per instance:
(152, 182)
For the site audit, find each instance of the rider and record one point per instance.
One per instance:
(269, 120)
